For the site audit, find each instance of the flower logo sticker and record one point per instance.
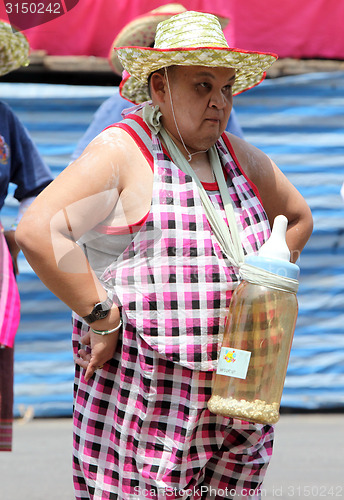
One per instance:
(230, 356)
(233, 362)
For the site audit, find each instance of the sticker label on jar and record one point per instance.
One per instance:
(233, 362)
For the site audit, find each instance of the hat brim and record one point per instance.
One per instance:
(140, 62)
(133, 91)
(14, 49)
(141, 33)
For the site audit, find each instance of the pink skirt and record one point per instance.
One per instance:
(9, 321)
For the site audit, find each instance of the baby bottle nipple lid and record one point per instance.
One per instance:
(276, 246)
(274, 255)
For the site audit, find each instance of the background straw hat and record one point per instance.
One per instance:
(141, 30)
(14, 49)
(190, 39)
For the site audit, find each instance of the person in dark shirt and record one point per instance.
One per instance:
(22, 165)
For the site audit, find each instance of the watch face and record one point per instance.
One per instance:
(100, 311)
(101, 314)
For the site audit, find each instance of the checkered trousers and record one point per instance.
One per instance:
(142, 427)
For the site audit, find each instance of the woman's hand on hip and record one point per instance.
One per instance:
(103, 348)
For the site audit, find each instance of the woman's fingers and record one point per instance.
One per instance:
(86, 339)
(102, 350)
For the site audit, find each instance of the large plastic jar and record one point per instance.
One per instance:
(254, 355)
(258, 335)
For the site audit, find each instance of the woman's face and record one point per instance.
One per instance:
(201, 104)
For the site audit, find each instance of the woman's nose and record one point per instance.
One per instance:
(217, 100)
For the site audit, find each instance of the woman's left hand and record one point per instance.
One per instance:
(103, 348)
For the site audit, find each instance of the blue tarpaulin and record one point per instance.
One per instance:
(299, 122)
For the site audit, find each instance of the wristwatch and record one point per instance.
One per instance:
(99, 311)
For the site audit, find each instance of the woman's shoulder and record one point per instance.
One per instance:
(115, 140)
(251, 159)
(115, 151)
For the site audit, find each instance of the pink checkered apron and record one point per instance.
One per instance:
(141, 424)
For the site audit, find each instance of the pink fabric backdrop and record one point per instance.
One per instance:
(291, 28)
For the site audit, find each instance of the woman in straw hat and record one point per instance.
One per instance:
(140, 31)
(135, 240)
(21, 164)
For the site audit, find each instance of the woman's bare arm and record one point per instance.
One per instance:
(278, 195)
(82, 196)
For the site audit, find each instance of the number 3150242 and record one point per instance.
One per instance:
(33, 8)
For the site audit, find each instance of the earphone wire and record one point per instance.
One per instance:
(190, 155)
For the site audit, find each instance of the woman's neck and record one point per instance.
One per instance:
(198, 160)
(201, 165)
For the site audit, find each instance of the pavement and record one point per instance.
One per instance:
(307, 461)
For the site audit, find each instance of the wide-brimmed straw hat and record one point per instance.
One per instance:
(190, 39)
(141, 30)
(14, 49)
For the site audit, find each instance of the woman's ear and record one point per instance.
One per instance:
(158, 86)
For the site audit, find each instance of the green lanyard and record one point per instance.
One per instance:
(227, 236)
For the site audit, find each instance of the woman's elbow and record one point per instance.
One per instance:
(308, 223)
(29, 236)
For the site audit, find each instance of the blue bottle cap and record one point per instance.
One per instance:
(280, 267)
